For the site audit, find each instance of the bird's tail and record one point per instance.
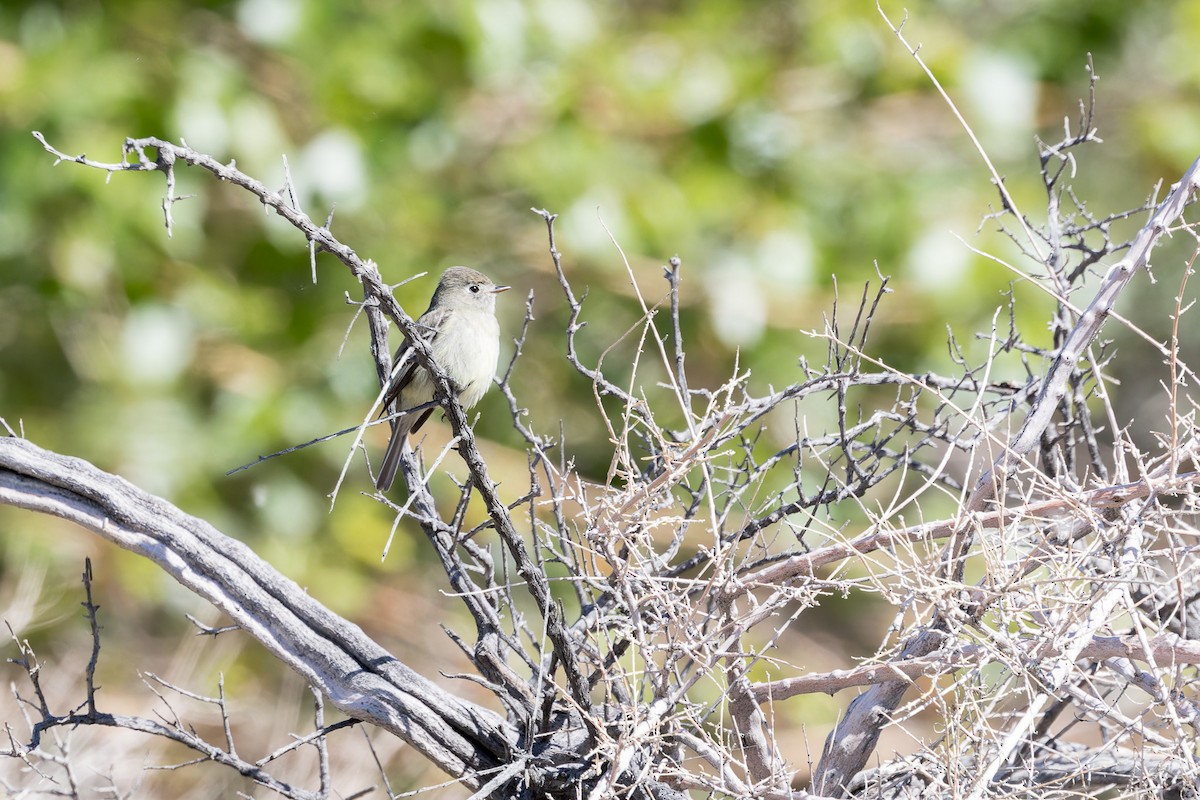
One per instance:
(395, 449)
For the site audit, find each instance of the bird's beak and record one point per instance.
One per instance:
(499, 289)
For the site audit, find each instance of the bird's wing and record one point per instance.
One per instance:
(420, 420)
(403, 368)
(404, 365)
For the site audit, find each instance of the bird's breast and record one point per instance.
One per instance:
(468, 350)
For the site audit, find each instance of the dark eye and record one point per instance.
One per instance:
(474, 288)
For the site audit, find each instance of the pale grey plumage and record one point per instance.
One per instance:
(461, 328)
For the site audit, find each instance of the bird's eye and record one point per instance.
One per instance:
(474, 288)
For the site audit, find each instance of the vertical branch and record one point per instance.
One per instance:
(320, 742)
(91, 609)
(672, 275)
(763, 761)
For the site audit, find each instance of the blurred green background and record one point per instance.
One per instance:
(774, 146)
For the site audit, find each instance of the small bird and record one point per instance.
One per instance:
(461, 329)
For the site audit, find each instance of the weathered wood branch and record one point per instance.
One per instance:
(359, 676)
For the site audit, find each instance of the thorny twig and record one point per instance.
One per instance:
(656, 669)
(44, 721)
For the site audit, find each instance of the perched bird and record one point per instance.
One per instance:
(461, 329)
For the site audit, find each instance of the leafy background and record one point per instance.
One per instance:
(781, 149)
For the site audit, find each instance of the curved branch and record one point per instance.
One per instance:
(361, 678)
